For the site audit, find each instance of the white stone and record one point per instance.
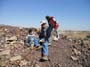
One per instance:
(23, 62)
(18, 57)
(13, 38)
(5, 52)
(36, 65)
(77, 52)
(74, 58)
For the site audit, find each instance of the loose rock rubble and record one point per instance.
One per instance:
(67, 52)
(80, 47)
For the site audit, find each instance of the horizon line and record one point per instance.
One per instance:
(39, 27)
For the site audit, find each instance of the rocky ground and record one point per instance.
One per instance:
(62, 53)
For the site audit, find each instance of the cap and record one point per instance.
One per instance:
(43, 22)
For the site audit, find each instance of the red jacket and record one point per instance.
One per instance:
(53, 22)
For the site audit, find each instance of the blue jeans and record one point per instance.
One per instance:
(36, 42)
(44, 50)
(32, 40)
(48, 31)
(45, 44)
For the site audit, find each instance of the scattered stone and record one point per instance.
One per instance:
(22, 42)
(1, 49)
(20, 28)
(5, 52)
(86, 42)
(23, 63)
(74, 58)
(12, 42)
(5, 29)
(18, 57)
(59, 65)
(2, 63)
(36, 65)
(76, 52)
(13, 38)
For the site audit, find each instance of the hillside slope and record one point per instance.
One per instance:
(62, 53)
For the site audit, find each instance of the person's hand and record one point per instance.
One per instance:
(42, 40)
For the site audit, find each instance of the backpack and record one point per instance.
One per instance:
(53, 22)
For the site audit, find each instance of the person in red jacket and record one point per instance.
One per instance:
(51, 21)
(45, 34)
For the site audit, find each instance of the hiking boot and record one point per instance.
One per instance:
(45, 58)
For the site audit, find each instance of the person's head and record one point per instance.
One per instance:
(43, 24)
(37, 34)
(30, 31)
(47, 17)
